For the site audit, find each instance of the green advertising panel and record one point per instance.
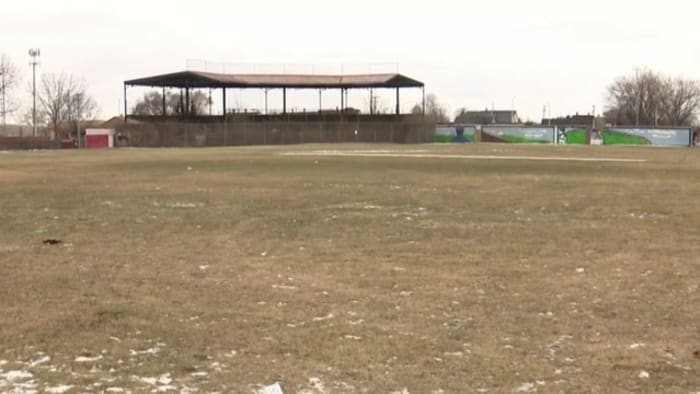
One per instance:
(456, 133)
(518, 134)
(633, 136)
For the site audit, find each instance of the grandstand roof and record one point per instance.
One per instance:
(197, 79)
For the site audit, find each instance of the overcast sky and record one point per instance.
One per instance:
(470, 54)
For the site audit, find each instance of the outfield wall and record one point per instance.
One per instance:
(191, 134)
(578, 135)
(667, 136)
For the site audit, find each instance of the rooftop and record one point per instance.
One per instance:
(197, 79)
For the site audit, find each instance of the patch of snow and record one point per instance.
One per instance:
(165, 379)
(324, 318)
(356, 322)
(271, 389)
(40, 361)
(402, 391)
(60, 389)
(454, 354)
(17, 375)
(25, 388)
(166, 388)
(526, 388)
(203, 267)
(84, 359)
(580, 270)
(152, 351)
(284, 287)
(183, 205)
(202, 374)
(162, 380)
(636, 345)
(644, 375)
(151, 381)
(114, 390)
(353, 337)
(316, 386)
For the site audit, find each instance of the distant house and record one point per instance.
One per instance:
(570, 120)
(488, 116)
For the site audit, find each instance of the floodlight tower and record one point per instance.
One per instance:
(34, 54)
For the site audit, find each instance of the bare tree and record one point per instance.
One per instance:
(649, 98)
(151, 104)
(460, 114)
(376, 105)
(434, 110)
(65, 101)
(27, 117)
(9, 79)
(681, 102)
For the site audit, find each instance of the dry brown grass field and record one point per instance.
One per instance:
(227, 270)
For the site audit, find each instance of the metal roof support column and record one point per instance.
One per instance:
(371, 101)
(423, 88)
(398, 103)
(187, 101)
(265, 101)
(284, 100)
(320, 100)
(342, 99)
(223, 99)
(126, 111)
(182, 105)
(164, 109)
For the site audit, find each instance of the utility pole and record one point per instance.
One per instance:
(4, 107)
(34, 54)
(78, 111)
